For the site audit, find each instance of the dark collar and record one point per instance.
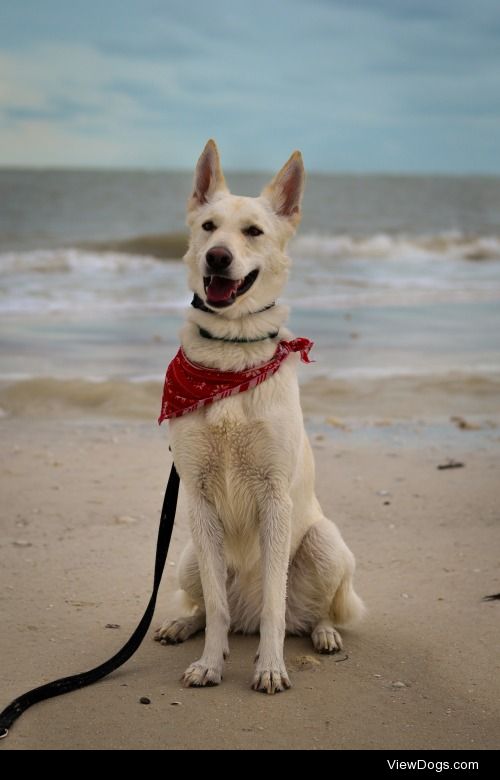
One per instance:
(197, 303)
(206, 335)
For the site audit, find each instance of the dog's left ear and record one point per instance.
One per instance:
(284, 193)
(208, 177)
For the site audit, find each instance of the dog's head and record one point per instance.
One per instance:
(236, 257)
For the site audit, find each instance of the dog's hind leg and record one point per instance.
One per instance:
(190, 595)
(320, 592)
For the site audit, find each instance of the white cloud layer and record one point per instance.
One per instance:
(357, 86)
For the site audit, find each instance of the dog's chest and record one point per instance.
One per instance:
(238, 451)
(231, 469)
(233, 450)
(226, 454)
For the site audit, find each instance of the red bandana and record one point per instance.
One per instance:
(189, 386)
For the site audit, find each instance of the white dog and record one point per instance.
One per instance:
(263, 556)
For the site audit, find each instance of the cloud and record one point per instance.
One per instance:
(59, 109)
(363, 86)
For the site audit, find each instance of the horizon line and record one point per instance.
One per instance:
(51, 168)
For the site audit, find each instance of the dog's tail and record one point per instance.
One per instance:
(347, 607)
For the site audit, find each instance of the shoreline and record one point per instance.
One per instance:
(343, 403)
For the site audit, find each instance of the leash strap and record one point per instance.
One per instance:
(75, 681)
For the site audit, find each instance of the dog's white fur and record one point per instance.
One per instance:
(262, 556)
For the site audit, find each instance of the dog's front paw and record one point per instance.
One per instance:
(271, 680)
(199, 675)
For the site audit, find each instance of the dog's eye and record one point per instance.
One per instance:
(209, 226)
(253, 231)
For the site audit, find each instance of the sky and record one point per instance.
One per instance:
(357, 85)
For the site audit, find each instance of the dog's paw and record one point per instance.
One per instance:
(172, 632)
(199, 675)
(271, 680)
(326, 639)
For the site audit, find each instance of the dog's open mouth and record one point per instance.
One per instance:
(221, 291)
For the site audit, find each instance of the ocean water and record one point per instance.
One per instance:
(395, 278)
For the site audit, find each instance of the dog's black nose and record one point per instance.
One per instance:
(218, 258)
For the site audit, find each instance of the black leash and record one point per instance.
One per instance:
(75, 681)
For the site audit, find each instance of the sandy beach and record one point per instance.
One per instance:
(81, 499)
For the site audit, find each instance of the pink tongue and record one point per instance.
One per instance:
(221, 289)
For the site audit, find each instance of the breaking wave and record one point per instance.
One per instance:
(329, 271)
(451, 244)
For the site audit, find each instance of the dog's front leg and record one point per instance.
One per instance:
(208, 539)
(275, 533)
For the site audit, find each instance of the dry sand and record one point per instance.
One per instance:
(79, 513)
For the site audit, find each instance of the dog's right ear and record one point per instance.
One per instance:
(208, 178)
